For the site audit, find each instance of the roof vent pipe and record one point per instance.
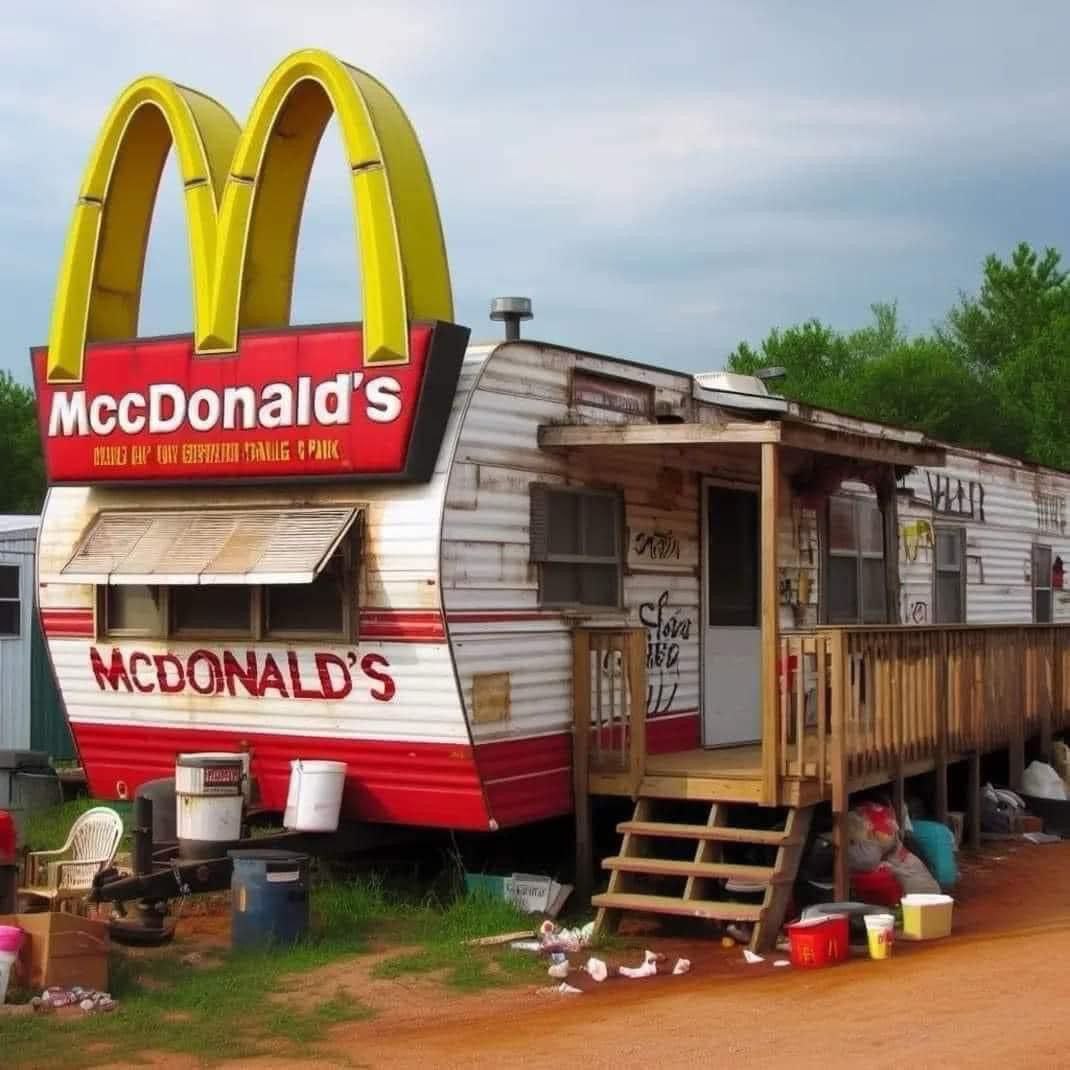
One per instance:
(512, 310)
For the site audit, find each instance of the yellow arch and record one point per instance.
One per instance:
(244, 194)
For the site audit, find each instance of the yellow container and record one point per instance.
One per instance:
(926, 917)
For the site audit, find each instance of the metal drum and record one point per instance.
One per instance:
(269, 897)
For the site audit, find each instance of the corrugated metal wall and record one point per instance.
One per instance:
(17, 548)
(1005, 508)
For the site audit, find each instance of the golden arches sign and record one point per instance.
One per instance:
(244, 195)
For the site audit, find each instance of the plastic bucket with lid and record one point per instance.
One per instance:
(817, 942)
(314, 800)
(926, 917)
(10, 942)
(880, 934)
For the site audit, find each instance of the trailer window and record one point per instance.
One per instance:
(576, 541)
(855, 584)
(211, 609)
(949, 575)
(318, 608)
(10, 604)
(133, 609)
(1042, 584)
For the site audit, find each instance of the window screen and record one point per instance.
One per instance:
(576, 539)
(856, 591)
(1042, 584)
(10, 605)
(732, 526)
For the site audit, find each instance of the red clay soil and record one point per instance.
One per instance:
(992, 995)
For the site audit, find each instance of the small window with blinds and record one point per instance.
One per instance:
(855, 589)
(576, 539)
(949, 575)
(10, 602)
(1042, 584)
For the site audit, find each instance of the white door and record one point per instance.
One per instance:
(731, 644)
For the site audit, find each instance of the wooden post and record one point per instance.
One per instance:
(974, 837)
(769, 622)
(942, 707)
(581, 743)
(1048, 706)
(1018, 700)
(637, 708)
(889, 507)
(839, 760)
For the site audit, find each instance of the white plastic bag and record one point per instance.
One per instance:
(1041, 780)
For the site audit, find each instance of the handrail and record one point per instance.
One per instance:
(609, 702)
(855, 702)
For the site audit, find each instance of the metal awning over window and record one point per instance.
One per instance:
(205, 546)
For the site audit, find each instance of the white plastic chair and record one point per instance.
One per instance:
(68, 872)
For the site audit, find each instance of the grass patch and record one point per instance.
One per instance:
(441, 934)
(236, 1005)
(46, 830)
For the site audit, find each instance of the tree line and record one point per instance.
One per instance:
(993, 375)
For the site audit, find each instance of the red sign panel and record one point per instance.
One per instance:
(288, 403)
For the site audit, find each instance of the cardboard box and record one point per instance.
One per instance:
(1028, 823)
(61, 949)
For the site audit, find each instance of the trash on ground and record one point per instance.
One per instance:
(1040, 837)
(781, 962)
(1042, 780)
(526, 945)
(751, 957)
(88, 999)
(738, 933)
(554, 939)
(567, 990)
(682, 966)
(529, 892)
(597, 969)
(648, 968)
(489, 941)
(560, 970)
(727, 941)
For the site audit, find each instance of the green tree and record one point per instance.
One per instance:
(23, 488)
(1016, 303)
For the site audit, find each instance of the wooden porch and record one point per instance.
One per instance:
(854, 708)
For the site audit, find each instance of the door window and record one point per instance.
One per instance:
(733, 532)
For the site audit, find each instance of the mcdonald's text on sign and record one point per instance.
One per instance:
(246, 395)
(286, 404)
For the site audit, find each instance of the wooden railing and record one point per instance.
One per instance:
(855, 703)
(609, 701)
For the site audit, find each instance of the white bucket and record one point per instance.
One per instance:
(314, 800)
(7, 960)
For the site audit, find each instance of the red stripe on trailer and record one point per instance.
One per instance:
(402, 626)
(531, 779)
(67, 623)
(432, 784)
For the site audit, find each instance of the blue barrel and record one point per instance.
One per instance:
(269, 897)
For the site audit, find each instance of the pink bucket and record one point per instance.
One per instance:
(10, 939)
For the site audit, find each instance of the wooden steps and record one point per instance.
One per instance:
(722, 834)
(712, 909)
(651, 866)
(679, 868)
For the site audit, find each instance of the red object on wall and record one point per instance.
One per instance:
(1057, 574)
(294, 402)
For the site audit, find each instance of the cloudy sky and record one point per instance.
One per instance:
(663, 179)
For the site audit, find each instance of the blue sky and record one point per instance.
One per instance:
(663, 180)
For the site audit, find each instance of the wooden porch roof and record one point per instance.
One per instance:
(798, 434)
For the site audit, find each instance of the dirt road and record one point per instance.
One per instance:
(991, 996)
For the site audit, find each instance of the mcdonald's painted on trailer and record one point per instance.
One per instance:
(247, 396)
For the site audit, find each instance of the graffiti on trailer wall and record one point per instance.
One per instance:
(656, 545)
(953, 497)
(666, 629)
(915, 536)
(1051, 512)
